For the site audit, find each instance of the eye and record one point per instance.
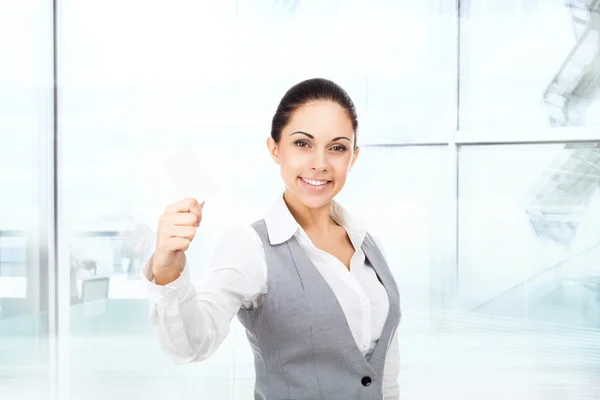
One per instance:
(301, 143)
(339, 147)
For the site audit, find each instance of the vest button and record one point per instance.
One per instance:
(366, 381)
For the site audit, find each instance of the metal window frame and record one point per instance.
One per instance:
(457, 139)
(57, 241)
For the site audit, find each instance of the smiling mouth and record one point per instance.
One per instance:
(315, 183)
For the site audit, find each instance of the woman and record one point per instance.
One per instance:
(309, 284)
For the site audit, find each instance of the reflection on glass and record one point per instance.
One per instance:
(576, 85)
(528, 272)
(542, 72)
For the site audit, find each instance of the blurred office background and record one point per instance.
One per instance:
(479, 171)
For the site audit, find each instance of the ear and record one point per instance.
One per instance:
(273, 149)
(354, 157)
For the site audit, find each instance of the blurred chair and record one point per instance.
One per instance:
(84, 264)
(93, 289)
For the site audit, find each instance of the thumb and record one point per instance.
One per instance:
(196, 207)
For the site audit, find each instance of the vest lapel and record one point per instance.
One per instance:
(315, 281)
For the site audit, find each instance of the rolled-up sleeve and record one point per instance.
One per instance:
(192, 320)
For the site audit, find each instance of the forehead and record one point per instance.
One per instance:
(320, 118)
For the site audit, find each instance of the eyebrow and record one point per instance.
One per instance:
(312, 137)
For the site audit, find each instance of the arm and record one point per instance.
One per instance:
(391, 370)
(191, 321)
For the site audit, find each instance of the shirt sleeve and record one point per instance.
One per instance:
(192, 320)
(391, 371)
(379, 245)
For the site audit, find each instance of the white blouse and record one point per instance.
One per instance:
(191, 321)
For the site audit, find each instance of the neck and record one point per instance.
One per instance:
(313, 220)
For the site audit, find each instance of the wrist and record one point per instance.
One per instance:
(166, 275)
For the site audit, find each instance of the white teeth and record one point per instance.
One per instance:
(314, 183)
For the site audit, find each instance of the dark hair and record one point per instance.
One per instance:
(305, 92)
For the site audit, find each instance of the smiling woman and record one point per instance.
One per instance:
(313, 140)
(309, 284)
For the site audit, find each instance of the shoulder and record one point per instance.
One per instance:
(375, 239)
(240, 249)
(242, 237)
(374, 236)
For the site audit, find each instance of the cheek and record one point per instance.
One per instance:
(290, 166)
(342, 166)
(295, 159)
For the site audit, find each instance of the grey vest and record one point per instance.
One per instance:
(302, 343)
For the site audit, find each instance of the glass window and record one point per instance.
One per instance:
(161, 103)
(132, 96)
(541, 72)
(529, 284)
(25, 126)
(397, 60)
(400, 193)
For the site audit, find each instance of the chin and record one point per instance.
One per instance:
(312, 202)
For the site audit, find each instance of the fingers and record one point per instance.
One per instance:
(186, 205)
(173, 244)
(178, 225)
(185, 219)
(177, 231)
(196, 208)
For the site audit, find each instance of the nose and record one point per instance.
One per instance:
(319, 161)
